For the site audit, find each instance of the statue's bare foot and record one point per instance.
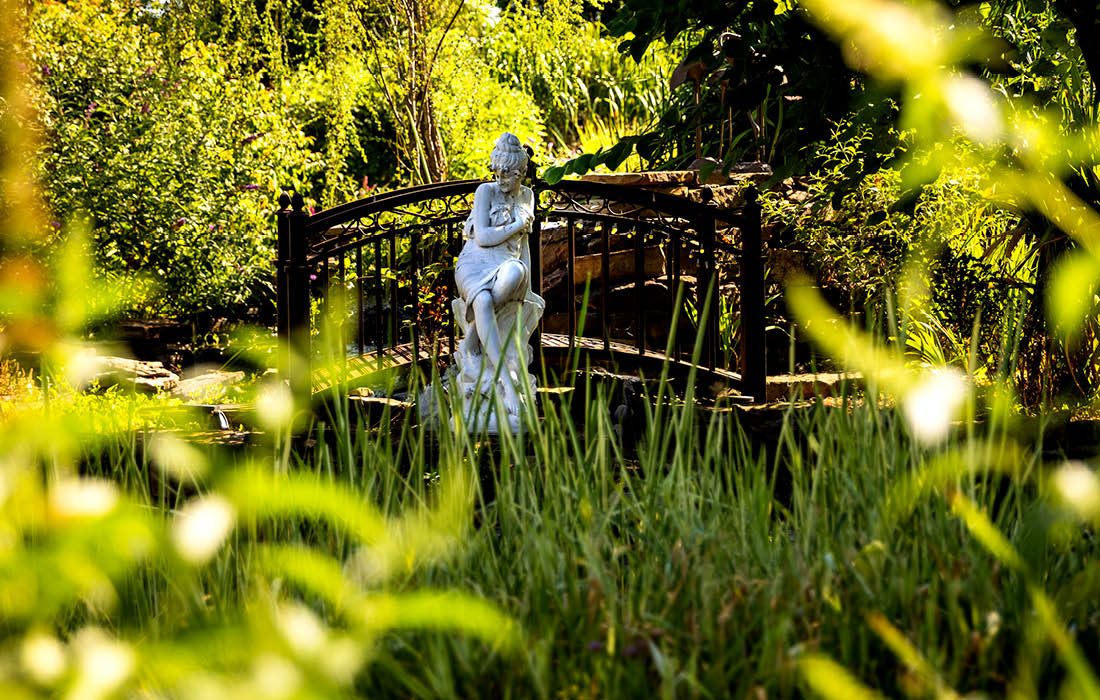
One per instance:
(511, 399)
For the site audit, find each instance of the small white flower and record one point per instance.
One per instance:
(199, 530)
(933, 404)
(43, 657)
(275, 677)
(1079, 487)
(103, 664)
(342, 659)
(177, 457)
(275, 405)
(301, 629)
(81, 364)
(74, 498)
(972, 104)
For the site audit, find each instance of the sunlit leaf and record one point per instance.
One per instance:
(1081, 672)
(983, 530)
(943, 471)
(910, 656)
(258, 494)
(832, 681)
(1071, 296)
(315, 572)
(446, 610)
(850, 347)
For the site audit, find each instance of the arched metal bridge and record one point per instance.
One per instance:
(621, 268)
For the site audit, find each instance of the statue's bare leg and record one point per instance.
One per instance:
(510, 286)
(486, 321)
(511, 283)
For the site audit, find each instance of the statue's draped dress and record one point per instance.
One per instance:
(476, 270)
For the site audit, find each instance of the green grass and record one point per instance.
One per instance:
(710, 559)
(708, 566)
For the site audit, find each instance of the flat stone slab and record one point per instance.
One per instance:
(692, 177)
(146, 377)
(653, 178)
(785, 387)
(210, 383)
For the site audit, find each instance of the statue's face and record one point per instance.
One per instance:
(509, 178)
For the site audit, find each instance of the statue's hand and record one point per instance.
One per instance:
(525, 217)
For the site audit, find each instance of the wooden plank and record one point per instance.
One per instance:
(361, 366)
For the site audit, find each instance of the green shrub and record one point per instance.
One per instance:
(177, 158)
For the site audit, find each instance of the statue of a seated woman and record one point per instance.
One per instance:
(496, 309)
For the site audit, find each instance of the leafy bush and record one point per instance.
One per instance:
(177, 158)
(571, 70)
(951, 259)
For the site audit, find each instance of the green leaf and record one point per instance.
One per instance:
(260, 495)
(830, 680)
(554, 174)
(618, 153)
(1071, 296)
(581, 164)
(983, 530)
(445, 610)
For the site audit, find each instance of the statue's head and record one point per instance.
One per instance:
(508, 154)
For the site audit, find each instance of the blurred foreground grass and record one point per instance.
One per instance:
(924, 550)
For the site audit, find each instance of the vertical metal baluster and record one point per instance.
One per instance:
(360, 329)
(379, 312)
(677, 279)
(754, 365)
(535, 245)
(570, 281)
(342, 309)
(605, 285)
(324, 285)
(452, 252)
(395, 308)
(639, 285)
(414, 286)
(708, 292)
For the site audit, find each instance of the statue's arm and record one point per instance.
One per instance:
(485, 234)
(528, 204)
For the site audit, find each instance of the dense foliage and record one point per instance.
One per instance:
(174, 130)
(172, 153)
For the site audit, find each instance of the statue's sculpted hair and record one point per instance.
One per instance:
(508, 153)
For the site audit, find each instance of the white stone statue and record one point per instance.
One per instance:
(496, 309)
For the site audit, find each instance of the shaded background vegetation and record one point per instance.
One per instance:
(172, 127)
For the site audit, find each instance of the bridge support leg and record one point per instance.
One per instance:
(292, 299)
(754, 370)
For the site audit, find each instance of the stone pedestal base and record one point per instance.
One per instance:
(481, 406)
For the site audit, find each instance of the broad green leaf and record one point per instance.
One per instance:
(910, 656)
(445, 610)
(832, 681)
(983, 530)
(1071, 296)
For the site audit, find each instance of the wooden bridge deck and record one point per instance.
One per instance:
(355, 370)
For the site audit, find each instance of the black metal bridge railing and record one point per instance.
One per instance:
(391, 259)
